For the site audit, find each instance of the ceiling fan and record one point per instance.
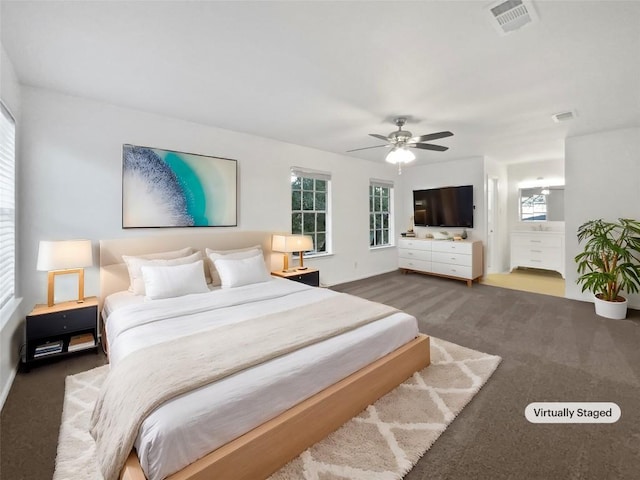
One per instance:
(401, 140)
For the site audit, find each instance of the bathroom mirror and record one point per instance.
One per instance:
(542, 204)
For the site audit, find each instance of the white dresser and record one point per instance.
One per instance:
(543, 250)
(460, 260)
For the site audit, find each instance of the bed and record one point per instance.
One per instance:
(249, 424)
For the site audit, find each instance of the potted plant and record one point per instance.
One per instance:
(610, 263)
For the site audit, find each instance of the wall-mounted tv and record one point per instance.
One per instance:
(443, 207)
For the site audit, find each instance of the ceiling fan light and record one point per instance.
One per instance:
(400, 155)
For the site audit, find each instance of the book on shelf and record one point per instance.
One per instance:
(48, 349)
(49, 345)
(80, 342)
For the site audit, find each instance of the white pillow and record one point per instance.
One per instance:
(213, 255)
(235, 272)
(174, 280)
(135, 264)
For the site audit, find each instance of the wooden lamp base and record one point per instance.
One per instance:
(51, 283)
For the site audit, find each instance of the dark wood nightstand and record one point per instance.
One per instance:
(60, 330)
(309, 276)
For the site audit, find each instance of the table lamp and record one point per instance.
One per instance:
(61, 258)
(292, 243)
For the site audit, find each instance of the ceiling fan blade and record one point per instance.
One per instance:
(381, 137)
(430, 136)
(428, 146)
(366, 148)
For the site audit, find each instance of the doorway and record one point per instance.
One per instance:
(493, 248)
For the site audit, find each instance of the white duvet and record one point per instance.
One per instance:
(188, 427)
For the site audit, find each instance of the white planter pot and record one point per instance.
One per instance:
(615, 310)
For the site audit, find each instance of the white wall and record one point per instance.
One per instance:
(10, 316)
(466, 171)
(602, 181)
(550, 170)
(72, 153)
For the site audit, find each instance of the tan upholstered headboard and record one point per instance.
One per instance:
(113, 271)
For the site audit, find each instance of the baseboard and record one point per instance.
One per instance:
(11, 337)
(6, 388)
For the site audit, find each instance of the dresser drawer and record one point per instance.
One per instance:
(415, 254)
(536, 240)
(412, 264)
(59, 323)
(414, 244)
(452, 258)
(539, 257)
(451, 270)
(449, 246)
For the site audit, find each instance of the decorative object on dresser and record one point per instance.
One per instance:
(538, 249)
(461, 260)
(292, 243)
(164, 188)
(60, 330)
(62, 258)
(309, 276)
(610, 263)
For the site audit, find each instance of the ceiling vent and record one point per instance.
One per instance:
(563, 117)
(510, 15)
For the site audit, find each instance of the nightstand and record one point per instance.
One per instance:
(62, 329)
(309, 276)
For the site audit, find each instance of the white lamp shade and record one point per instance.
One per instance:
(400, 155)
(60, 255)
(291, 243)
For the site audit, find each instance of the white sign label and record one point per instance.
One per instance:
(572, 412)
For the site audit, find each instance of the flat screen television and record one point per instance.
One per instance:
(443, 207)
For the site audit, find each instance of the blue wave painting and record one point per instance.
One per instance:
(163, 188)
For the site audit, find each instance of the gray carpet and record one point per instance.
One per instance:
(553, 349)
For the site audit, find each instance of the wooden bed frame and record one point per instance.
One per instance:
(265, 449)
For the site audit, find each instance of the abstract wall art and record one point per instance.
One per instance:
(164, 188)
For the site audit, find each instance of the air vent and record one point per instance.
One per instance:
(563, 117)
(510, 15)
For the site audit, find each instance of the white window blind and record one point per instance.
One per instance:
(7, 205)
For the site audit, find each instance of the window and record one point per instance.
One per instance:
(542, 204)
(310, 207)
(380, 208)
(7, 205)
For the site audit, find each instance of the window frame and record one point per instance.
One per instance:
(312, 175)
(374, 213)
(8, 217)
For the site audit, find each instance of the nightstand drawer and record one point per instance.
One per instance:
(311, 278)
(60, 323)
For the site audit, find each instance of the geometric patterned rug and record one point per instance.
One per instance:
(384, 442)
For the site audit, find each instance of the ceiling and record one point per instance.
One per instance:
(326, 74)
